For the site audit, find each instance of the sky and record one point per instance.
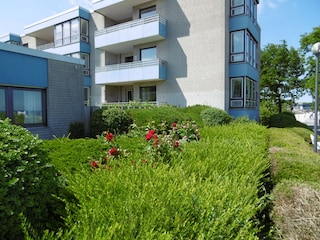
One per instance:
(278, 19)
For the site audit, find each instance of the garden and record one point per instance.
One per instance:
(144, 173)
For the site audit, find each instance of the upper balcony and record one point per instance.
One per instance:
(122, 37)
(116, 9)
(132, 72)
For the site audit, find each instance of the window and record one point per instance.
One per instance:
(148, 53)
(86, 94)
(66, 33)
(244, 48)
(2, 104)
(24, 106)
(86, 58)
(237, 46)
(243, 93)
(84, 30)
(75, 30)
(147, 12)
(58, 35)
(148, 94)
(71, 31)
(128, 59)
(247, 7)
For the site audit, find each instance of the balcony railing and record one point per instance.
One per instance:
(155, 69)
(134, 23)
(118, 37)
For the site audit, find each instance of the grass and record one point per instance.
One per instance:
(296, 195)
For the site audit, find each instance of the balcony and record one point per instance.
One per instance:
(133, 72)
(116, 9)
(122, 37)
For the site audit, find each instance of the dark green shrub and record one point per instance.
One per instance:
(215, 116)
(29, 186)
(158, 115)
(267, 109)
(285, 119)
(116, 120)
(76, 130)
(97, 125)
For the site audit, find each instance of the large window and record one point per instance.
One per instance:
(24, 106)
(148, 94)
(243, 48)
(147, 12)
(148, 53)
(243, 93)
(71, 31)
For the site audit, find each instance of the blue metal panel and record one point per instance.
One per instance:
(163, 30)
(163, 72)
(84, 13)
(87, 81)
(243, 69)
(85, 47)
(23, 70)
(244, 22)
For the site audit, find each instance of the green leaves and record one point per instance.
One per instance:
(281, 72)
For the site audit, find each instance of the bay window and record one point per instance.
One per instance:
(71, 31)
(2, 104)
(243, 48)
(244, 7)
(243, 93)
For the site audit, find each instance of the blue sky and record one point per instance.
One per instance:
(279, 19)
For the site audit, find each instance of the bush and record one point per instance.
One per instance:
(168, 114)
(116, 121)
(97, 125)
(76, 130)
(215, 116)
(30, 191)
(285, 119)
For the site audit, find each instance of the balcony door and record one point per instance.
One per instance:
(148, 53)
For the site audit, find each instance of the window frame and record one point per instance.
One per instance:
(148, 48)
(10, 109)
(249, 99)
(153, 90)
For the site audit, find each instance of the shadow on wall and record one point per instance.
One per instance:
(178, 26)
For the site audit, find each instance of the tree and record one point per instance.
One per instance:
(281, 69)
(306, 42)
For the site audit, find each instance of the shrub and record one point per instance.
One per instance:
(215, 116)
(76, 130)
(30, 189)
(97, 126)
(285, 119)
(116, 120)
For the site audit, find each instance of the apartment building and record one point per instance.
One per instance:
(179, 52)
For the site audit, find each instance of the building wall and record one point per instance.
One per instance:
(196, 50)
(60, 77)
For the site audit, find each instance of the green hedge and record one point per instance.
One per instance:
(211, 191)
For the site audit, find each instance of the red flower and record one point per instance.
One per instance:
(94, 164)
(174, 125)
(109, 136)
(150, 134)
(114, 151)
(176, 144)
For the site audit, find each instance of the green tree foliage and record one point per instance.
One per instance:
(306, 42)
(281, 69)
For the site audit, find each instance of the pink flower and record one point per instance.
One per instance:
(114, 152)
(94, 164)
(109, 136)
